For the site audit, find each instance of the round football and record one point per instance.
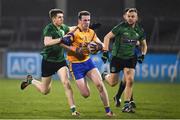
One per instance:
(92, 47)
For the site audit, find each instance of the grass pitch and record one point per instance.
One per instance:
(154, 100)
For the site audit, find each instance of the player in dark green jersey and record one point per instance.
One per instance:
(122, 84)
(53, 60)
(127, 34)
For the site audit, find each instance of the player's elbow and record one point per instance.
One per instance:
(46, 44)
(106, 38)
(47, 41)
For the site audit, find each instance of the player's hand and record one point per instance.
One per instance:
(105, 56)
(140, 59)
(94, 47)
(138, 54)
(80, 52)
(99, 46)
(67, 39)
(137, 51)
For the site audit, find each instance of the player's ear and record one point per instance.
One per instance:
(79, 20)
(124, 16)
(137, 18)
(53, 19)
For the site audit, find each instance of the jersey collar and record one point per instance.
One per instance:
(80, 28)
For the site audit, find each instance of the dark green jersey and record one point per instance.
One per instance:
(54, 53)
(126, 38)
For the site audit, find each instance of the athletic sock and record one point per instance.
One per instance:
(132, 98)
(126, 103)
(122, 86)
(73, 108)
(107, 109)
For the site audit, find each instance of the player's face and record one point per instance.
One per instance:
(58, 20)
(131, 17)
(85, 21)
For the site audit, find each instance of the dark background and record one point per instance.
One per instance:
(22, 21)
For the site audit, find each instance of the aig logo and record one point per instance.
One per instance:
(21, 64)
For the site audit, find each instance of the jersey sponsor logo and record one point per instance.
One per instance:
(130, 41)
(62, 32)
(125, 33)
(137, 34)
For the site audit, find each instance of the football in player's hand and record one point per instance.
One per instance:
(93, 47)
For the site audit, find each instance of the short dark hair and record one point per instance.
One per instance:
(54, 12)
(125, 10)
(130, 10)
(85, 13)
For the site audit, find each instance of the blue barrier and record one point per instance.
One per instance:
(156, 67)
(159, 67)
(19, 64)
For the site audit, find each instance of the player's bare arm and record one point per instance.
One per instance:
(48, 41)
(107, 39)
(72, 28)
(143, 47)
(99, 41)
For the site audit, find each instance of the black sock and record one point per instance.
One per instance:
(122, 86)
(126, 102)
(132, 97)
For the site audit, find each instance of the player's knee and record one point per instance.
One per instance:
(129, 82)
(66, 84)
(100, 87)
(113, 83)
(45, 91)
(85, 94)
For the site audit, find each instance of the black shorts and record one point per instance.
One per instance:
(50, 68)
(118, 64)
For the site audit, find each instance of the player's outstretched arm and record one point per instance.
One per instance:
(143, 45)
(107, 38)
(48, 41)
